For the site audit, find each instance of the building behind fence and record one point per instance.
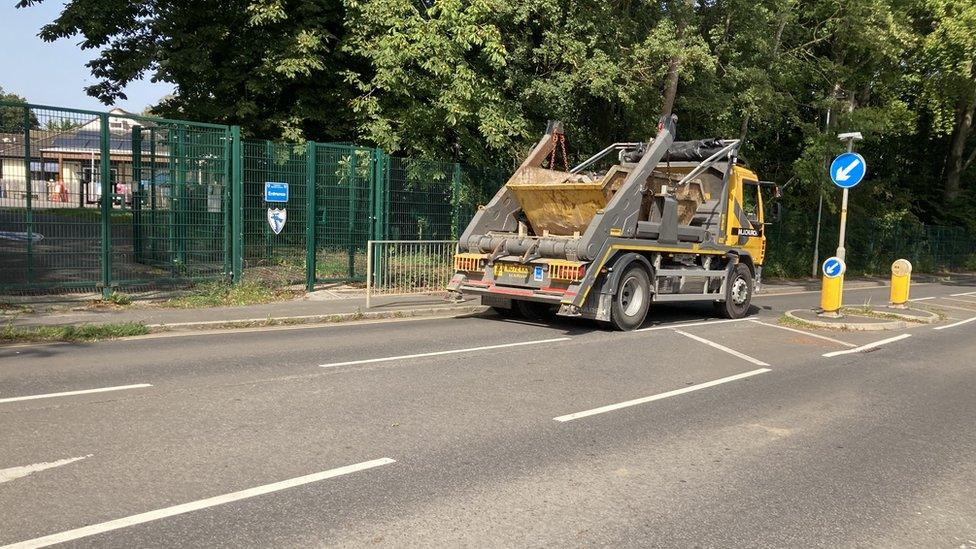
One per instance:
(104, 200)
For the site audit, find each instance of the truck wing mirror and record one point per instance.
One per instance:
(776, 213)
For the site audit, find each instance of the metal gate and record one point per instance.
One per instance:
(100, 200)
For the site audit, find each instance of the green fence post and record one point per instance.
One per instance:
(378, 230)
(181, 213)
(29, 188)
(351, 220)
(237, 203)
(227, 208)
(105, 169)
(137, 220)
(456, 201)
(310, 157)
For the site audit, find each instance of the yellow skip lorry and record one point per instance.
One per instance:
(669, 221)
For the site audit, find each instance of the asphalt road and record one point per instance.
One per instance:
(478, 431)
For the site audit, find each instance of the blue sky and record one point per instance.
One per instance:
(54, 73)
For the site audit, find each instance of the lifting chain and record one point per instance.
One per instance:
(560, 140)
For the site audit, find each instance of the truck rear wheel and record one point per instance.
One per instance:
(632, 300)
(738, 293)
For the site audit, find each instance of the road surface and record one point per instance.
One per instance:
(479, 431)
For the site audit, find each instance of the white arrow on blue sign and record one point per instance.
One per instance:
(833, 267)
(848, 170)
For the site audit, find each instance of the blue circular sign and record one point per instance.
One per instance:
(833, 267)
(848, 170)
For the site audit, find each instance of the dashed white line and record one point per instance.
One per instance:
(439, 353)
(732, 352)
(960, 300)
(690, 324)
(794, 330)
(922, 298)
(964, 293)
(954, 324)
(141, 518)
(11, 473)
(868, 347)
(72, 393)
(644, 400)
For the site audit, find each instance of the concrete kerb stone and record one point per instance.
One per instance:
(885, 319)
(313, 319)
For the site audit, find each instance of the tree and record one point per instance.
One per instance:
(12, 118)
(269, 65)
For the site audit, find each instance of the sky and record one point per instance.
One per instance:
(55, 73)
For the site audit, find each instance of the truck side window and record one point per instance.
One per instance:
(750, 201)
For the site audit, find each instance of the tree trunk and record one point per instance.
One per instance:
(671, 82)
(957, 146)
(784, 17)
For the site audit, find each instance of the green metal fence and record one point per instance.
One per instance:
(96, 200)
(871, 244)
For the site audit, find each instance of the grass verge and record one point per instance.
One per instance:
(83, 332)
(216, 294)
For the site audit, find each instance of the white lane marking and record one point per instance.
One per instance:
(732, 352)
(141, 518)
(960, 300)
(683, 390)
(867, 347)
(689, 324)
(964, 293)
(439, 353)
(922, 298)
(954, 307)
(811, 334)
(11, 473)
(954, 324)
(72, 393)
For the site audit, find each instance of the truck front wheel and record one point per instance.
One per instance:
(632, 299)
(738, 293)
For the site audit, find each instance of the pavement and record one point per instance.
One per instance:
(321, 306)
(474, 431)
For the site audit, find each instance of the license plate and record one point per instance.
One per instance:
(515, 270)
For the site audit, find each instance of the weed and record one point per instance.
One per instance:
(83, 332)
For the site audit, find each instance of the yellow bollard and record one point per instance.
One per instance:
(901, 277)
(832, 289)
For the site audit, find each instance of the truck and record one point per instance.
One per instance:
(665, 221)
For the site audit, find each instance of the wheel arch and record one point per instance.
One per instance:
(618, 264)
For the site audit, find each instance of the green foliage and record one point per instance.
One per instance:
(476, 80)
(216, 294)
(12, 118)
(82, 332)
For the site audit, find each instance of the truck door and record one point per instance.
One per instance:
(745, 214)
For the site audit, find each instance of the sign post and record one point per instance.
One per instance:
(846, 171)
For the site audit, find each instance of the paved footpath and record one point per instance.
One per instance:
(477, 431)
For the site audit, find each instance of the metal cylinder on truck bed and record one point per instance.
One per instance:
(556, 248)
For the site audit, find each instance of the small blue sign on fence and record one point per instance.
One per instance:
(275, 192)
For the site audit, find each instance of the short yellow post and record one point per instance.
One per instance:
(832, 289)
(901, 277)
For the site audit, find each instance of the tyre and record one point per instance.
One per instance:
(533, 310)
(738, 294)
(632, 299)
